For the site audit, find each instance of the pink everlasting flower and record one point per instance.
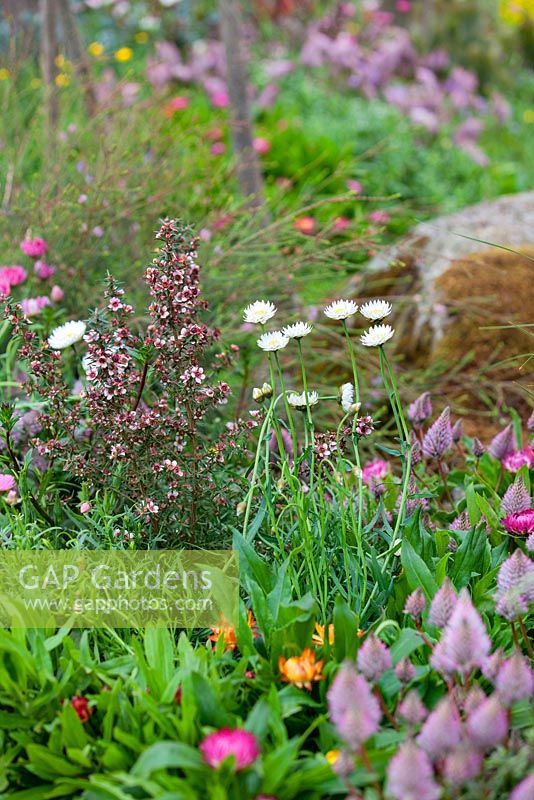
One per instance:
(521, 523)
(179, 103)
(374, 658)
(341, 223)
(5, 287)
(35, 248)
(465, 643)
(220, 99)
(375, 469)
(31, 306)
(354, 186)
(43, 270)
(261, 145)
(13, 275)
(354, 709)
(410, 774)
(241, 744)
(519, 458)
(7, 482)
(57, 294)
(217, 148)
(442, 730)
(380, 217)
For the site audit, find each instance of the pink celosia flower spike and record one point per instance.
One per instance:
(442, 730)
(502, 444)
(524, 790)
(410, 774)
(421, 409)
(354, 710)
(443, 604)
(515, 680)
(516, 498)
(438, 438)
(487, 726)
(415, 604)
(241, 744)
(465, 643)
(374, 658)
(412, 709)
(462, 764)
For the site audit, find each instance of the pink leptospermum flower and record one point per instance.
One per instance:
(34, 248)
(236, 742)
(519, 458)
(521, 523)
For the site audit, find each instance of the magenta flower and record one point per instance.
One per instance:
(13, 275)
(521, 523)
(31, 306)
(354, 710)
(487, 726)
(7, 482)
(516, 498)
(375, 470)
(374, 658)
(502, 444)
(515, 680)
(443, 604)
(524, 790)
(519, 458)
(465, 643)
(438, 437)
(241, 744)
(442, 730)
(34, 248)
(43, 270)
(410, 774)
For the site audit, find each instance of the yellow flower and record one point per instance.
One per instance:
(528, 116)
(141, 37)
(62, 80)
(124, 54)
(318, 636)
(332, 756)
(301, 670)
(60, 60)
(4, 74)
(96, 49)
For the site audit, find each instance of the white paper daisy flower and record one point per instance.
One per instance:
(376, 309)
(341, 309)
(346, 399)
(67, 334)
(377, 335)
(299, 400)
(275, 340)
(259, 312)
(298, 330)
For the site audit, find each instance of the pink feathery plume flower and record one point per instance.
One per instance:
(516, 498)
(241, 744)
(461, 522)
(374, 658)
(443, 604)
(512, 570)
(43, 270)
(520, 523)
(530, 422)
(442, 730)
(473, 699)
(405, 671)
(487, 726)
(492, 665)
(519, 458)
(415, 445)
(457, 430)
(515, 680)
(375, 470)
(7, 482)
(13, 275)
(524, 790)
(502, 444)
(421, 409)
(410, 774)
(515, 586)
(354, 710)
(465, 643)
(530, 543)
(462, 764)
(412, 708)
(438, 438)
(415, 604)
(478, 448)
(34, 248)
(31, 306)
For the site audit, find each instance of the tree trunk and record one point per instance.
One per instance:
(76, 46)
(48, 54)
(248, 168)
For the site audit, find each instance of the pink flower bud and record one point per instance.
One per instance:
(57, 294)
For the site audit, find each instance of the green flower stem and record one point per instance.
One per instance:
(288, 410)
(250, 493)
(352, 361)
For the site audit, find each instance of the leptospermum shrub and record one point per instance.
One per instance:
(123, 408)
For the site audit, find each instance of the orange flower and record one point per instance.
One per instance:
(318, 636)
(227, 630)
(301, 670)
(305, 225)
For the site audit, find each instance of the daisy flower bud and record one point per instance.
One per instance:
(271, 342)
(298, 330)
(341, 309)
(259, 313)
(376, 310)
(377, 336)
(260, 394)
(298, 401)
